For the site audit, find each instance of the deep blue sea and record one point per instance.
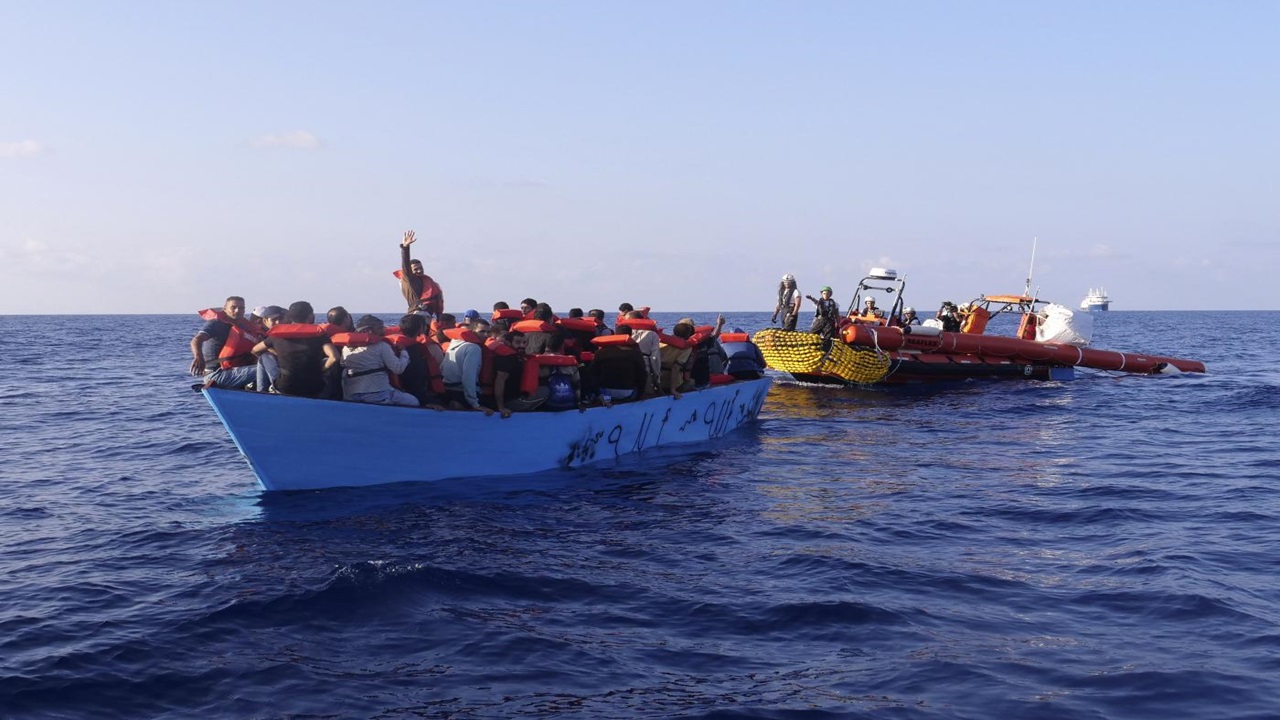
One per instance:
(1107, 547)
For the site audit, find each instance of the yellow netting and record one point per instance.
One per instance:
(798, 352)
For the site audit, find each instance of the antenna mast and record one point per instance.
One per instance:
(1031, 270)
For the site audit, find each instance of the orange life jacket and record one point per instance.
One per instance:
(298, 330)
(237, 351)
(607, 340)
(532, 364)
(638, 324)
(508, 314)
(463, 334)
(492, 348)
(734, 337)
(530, 326)
(586, 325)
(355, 339)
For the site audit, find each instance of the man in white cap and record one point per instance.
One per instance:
(788, 303)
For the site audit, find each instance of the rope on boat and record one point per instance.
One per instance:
(803, 353)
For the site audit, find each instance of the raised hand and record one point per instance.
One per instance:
(409, 238)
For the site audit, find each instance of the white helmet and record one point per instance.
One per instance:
(788, 278)
(870, 301)
(906, 310)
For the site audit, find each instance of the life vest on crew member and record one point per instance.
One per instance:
(431, 297)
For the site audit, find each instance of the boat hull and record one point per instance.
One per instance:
(303, 444)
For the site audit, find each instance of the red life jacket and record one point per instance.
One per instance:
(298, 330)
(734, 337)
(530, 326)
(492, 348)
(508, 314)
(607, 340)
(237, 351)
(638, 324)
(532, 364)
(431, 298)
(355, 339)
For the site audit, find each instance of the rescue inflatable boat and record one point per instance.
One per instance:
(877, 347)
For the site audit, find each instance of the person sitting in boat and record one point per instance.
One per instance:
(538, 341)
(561, 385)
(789, 298)
(422, 370)
(507, 358)
(212, 339)
(677, 361)
(601, 328)
(649, 344)
(303, 353)
(708, 357)
(528, 306)
(909, 316)
(339, 320)
(461, 371)
(869, 310)
(746, 362)
(267, 368)
(949, 316)
(826, 317)
(619, 369)
(421, 292)
(367, 367)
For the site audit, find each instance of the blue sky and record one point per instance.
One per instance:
(157, 157)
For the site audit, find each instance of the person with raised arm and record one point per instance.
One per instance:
(420, 292)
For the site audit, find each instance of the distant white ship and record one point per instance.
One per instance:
(1096, 300)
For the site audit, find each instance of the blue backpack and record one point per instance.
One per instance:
(560, 387)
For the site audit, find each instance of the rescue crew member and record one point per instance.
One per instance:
(788, 302)
(826, 317)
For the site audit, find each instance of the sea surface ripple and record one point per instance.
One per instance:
(1100, 548)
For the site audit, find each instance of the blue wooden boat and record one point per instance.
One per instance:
(296, 443)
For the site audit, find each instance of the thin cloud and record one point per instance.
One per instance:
(22, 148)
(298, 139)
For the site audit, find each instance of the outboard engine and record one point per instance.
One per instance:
(1059, 324)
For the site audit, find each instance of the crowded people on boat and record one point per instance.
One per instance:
(826, 316)
(220, 349)
(788, 305)
(523, 360)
